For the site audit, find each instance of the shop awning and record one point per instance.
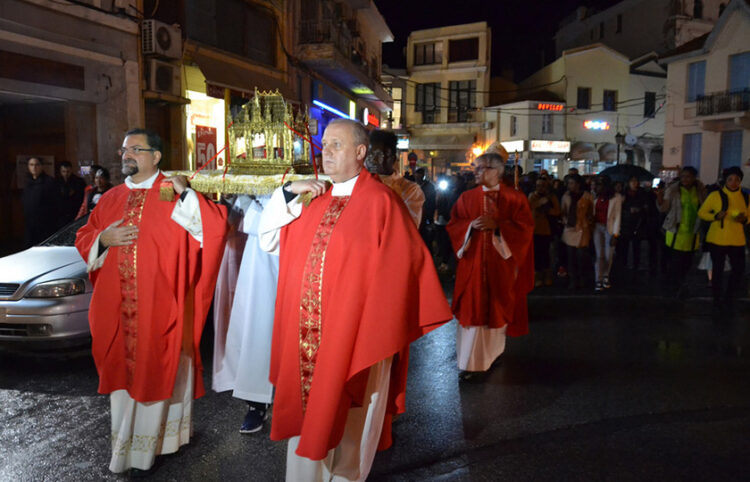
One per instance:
(234, 76)
(608, 152)
(583, 151)
(434, 143)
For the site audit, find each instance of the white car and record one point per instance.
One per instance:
(45, 293)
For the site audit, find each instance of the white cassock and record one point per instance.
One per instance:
(477, 347)
(352, 459)
(244, 323)
(226, 282)
(141, 431)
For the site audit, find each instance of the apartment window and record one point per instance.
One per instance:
(547, 124)
(513, 125)
(619, 23)
(462, 99)
(739, 72)
(396, 94)
(584, 98)
(697, 9)
(691, 150)
(428, 101)
(609, 100)
(731, 149)
(601, 30)
(463, 49)
(696, 80)
(246, 30)
(428, 53)
(649, 106)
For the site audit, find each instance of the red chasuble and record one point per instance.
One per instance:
(356, 286)
(150, 298)
(491, 291)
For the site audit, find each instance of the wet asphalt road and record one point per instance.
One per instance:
(605, 388)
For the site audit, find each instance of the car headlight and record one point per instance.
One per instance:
(58, 288)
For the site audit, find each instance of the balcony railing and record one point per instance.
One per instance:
(721, 102)
(431, 116)
(464, 114)
(336, 32)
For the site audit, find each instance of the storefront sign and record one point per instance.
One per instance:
(214, 91)
(513, 146)
(550, 146)
(552, 107)
(402, 143)
(596, 125)
(205, 145)
(373, 120)
(330, 109)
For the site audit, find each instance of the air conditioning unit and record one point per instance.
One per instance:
(163, 77)
(158, 38)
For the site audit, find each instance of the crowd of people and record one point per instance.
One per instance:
(592, 231)
(319, 288)
(50, 203)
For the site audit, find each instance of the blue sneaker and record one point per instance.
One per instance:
(257, 413)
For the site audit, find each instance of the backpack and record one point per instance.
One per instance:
(725, 201)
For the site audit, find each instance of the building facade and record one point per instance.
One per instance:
(708, 107)
(533, 131)
(323, 56)
(447, 90)
(638, 27)
(340, 43)
(69, 89)
(614, 107)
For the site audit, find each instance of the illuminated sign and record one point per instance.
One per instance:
(552, 107)
(362, 90)
(513, 146)
(330, 109)
(352, 110)
(365, 114)
(550, 146)
(596, 125)
(402, 143)
(371, 119)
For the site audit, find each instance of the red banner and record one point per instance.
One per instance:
(205, 146)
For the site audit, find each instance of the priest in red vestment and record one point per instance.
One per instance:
(356, 287)
(491, 229)
(153, 264)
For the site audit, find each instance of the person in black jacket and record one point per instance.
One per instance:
(635, 212)
(40, 200)
(427, 225)
(70, 189)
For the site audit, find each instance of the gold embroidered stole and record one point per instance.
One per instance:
(127, 262)
(311, 299)
(489, 208)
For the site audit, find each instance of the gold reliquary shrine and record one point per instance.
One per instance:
(262, 138)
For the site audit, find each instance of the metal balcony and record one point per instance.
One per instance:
(724, 102)
(465, 114)
(327, 31)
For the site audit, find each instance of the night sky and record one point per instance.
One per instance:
(521, 29)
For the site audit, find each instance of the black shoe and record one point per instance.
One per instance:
(257, 413)
(140, 473)
(473, 377)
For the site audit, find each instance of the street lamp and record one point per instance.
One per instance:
(619, 139)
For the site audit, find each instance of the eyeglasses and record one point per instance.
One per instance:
(133, 150)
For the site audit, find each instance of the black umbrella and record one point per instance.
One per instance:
(623, 173)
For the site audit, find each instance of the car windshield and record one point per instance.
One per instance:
(66, 236)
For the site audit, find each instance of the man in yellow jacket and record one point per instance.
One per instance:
(727, 210)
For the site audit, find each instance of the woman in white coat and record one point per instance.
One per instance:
(607, 217)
